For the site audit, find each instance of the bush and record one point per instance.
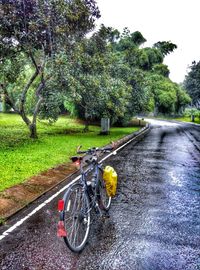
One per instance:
(192, 112)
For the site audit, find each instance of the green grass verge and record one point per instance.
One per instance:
(181, 119)
(2, 221)
(22, 157)
(187, 119)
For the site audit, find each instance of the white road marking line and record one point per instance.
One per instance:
(122, 146)
(21, 221)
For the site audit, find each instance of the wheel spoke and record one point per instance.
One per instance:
(75, 232)
(77, 218)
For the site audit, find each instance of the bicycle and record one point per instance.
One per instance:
(81, 198)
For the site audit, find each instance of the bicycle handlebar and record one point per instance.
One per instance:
(93, 150)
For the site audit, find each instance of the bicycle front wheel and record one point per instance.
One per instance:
(104, 199)
(76, 217)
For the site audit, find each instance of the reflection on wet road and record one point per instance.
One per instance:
(154, 222)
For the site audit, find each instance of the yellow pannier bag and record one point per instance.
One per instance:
(110, 178)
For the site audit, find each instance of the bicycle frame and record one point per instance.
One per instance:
(78, 201)
(93, 167)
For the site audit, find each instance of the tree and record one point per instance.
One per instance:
(41, 29)
(192, 112)
(130, 40)
(182, 99)
(10, 69)
(137, 38)
(148, 57)
(100, 88)
(192, 83)
(165, 47)
(99, 97)
(168, 96)
(139, 93)
(161, 69)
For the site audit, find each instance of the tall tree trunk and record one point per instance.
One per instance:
(192, 117)
(21, 110)
(33, 125)
(33, 131)
(86, 128)
(3, 97)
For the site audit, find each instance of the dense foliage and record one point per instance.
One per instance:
(192, 83)
(40, 30)
(47, 62)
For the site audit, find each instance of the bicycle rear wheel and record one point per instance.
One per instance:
(104, 199)
(76, 217)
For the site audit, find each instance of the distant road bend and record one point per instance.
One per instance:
(154, 220)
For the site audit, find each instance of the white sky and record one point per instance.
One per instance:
(159, 20)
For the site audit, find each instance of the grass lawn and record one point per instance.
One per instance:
(181, 119)
(187, 119)
(22, 157)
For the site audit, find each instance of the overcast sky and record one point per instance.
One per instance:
(159, 20)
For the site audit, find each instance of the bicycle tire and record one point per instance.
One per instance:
(104, 199)
(76, 217)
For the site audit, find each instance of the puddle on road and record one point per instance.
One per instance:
(175, 179)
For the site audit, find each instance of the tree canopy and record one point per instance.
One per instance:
(165, 47)
(192, 83)
(41, 30)
(47, 60)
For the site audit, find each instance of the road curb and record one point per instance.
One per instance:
(119, 144)
(138, 135)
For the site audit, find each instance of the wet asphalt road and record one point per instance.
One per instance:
(155, 217)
